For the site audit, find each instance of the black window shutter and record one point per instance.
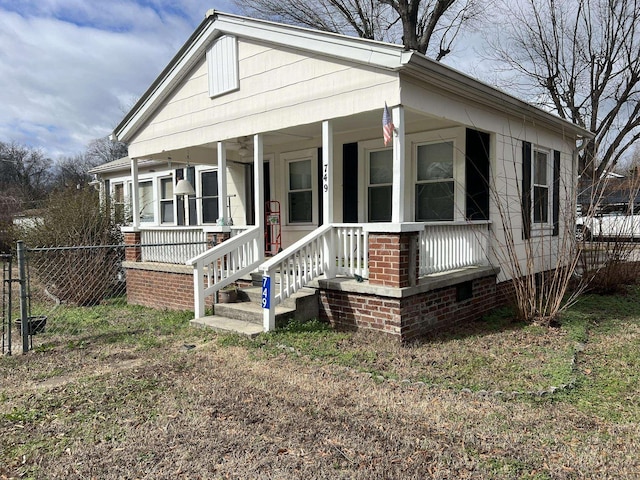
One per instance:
(526, 190)
(350, 183)
(556, 192)
(477, 175)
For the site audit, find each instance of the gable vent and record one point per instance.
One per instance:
(222, 62)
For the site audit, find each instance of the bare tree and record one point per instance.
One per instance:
(103, 150)
(72, 171)
(24, 170)
(584, 58)
(421, 25)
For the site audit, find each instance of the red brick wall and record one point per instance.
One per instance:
(389, 259)
(410, 317)
(173, 291)
(132, 253)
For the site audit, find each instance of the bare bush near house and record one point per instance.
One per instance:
(541, 268)
(82, 276)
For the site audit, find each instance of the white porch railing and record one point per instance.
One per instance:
(329, 250)
(224, 264)
(172, 245)
(449, 246)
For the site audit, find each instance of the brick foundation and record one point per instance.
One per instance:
(408, 316)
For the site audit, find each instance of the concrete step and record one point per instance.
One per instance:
(247, 315)
(254, 294)
(228, 325)
(252, 312)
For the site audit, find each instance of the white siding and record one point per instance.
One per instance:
(278, 89)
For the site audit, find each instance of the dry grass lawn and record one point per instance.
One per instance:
(132, 402)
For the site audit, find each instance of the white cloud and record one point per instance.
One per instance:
(69, 67)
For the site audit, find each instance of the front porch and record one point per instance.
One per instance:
(400, 279)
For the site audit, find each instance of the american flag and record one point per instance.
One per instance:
(387, 125)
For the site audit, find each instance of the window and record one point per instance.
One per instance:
(300, 192)
(209, 182)
(540, 191)
(541, 182)
(166, 200)
(145, 194)
(222, 62)
(379, 189)
(434, 182)
(118, 203)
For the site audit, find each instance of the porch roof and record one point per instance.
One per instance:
(123, 164)
(386, 56)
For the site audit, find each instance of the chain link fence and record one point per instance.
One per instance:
(68, 289)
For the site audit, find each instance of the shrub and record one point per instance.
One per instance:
(73, 247)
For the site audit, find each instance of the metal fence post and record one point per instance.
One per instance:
(24, 310)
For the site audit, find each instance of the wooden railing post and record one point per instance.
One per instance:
(198, 290)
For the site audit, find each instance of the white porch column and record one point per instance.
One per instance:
(399, 166)
(135, 194)
(222, 183)
(258, 187)
(327, 172)
(327, 196)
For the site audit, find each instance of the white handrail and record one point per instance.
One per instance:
(224, 264)
(328, 250)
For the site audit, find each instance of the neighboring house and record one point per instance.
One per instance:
(262, 118)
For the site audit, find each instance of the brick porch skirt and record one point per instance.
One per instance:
(159, 285)
(438, 301)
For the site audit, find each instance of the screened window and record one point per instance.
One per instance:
(541, 184)
(379, 189)
(434, 182)
(209, 182)
(145, 194)
(166, 200)
(300, 192)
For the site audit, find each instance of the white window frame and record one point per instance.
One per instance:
(548, 224)
(415, 147)
(171, 199)
(292, 157)
(122, 203)
(153, 201)
(456, 135)
(369, 185)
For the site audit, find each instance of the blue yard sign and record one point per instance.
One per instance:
(266, 292)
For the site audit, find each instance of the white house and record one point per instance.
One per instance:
(279, 130)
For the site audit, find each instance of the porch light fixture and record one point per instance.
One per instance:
(243, 151)
(184, 187)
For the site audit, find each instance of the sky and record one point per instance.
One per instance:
(71, 69)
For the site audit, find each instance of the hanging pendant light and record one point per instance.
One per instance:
(184, 187)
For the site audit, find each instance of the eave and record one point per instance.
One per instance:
(448, 79)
